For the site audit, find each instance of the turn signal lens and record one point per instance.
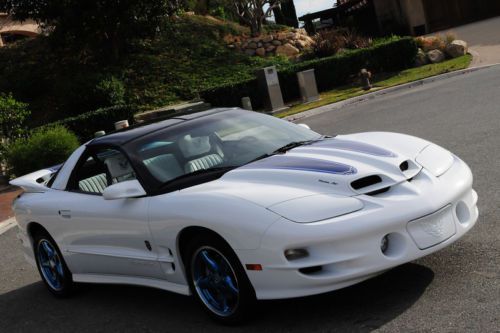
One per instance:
(253, 267)
(295, 254)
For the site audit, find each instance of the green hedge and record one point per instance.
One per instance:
(44, 148)
(86, 124)
(394, 55)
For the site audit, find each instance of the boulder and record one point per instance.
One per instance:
(301, 45)
(281, 36)
(421, 58)
(267, 39)
(250, 52)
(457, 48)
(435, 56)
(276, 42)
(270, 48)
(261, 52)
(252, 45)
(287, 50)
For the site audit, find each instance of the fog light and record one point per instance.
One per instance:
(294, 254)
(384, 244)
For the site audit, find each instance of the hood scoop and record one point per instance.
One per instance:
(299, 163)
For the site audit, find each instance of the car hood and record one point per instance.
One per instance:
(344, 166)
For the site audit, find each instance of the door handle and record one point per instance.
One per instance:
(65, 214)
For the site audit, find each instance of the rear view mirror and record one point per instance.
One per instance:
(124, 190)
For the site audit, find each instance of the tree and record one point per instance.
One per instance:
(254, 12)
(13, 115)
(286, 14)
(96, 25)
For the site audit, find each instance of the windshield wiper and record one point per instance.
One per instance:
(288, 147)
(198, 173)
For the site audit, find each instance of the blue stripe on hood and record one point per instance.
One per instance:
(302, 164)
(354, 146)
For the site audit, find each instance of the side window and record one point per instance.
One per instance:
(100, 170)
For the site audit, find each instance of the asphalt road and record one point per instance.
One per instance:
(455, 290)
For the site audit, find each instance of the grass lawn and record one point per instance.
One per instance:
(382, 81)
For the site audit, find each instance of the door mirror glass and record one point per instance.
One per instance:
(124, 190)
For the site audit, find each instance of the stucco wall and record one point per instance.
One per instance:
(26, 28)
(415, 13)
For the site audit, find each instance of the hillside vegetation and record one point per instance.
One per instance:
(189, 55)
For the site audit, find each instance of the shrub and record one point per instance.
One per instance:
(86, 124)
(44, 148)
(110, 91)
(13, 116)
(330, 42)
(332, 71)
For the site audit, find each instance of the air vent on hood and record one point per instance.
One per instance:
(404, 166)
(365, 182)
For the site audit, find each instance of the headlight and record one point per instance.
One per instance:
(316, 208)
(435, 159)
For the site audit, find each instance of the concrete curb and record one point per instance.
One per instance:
(382, 92)
(7, 225)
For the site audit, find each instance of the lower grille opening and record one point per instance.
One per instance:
(311, 270)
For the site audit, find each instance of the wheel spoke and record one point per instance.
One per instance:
(203, 282)
(45, 263)
(229, 284)
(47, 249)
(209, 261)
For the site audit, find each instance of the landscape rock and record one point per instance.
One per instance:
(286, 43)
(435, 56)
(250, 52)
(270, 48)
(287, 50)
(421, 58)
(261, 52)
(267, 39)
(457, 48)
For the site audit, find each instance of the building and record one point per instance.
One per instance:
(415, 17)
(11, 31)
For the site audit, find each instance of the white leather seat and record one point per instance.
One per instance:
(203, 163)
(95, 184)
(164, 167)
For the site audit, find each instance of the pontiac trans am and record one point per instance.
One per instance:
(233, 206)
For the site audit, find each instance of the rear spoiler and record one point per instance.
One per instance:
(36, 182)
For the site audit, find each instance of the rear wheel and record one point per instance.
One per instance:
(51, 266)
(218, 281)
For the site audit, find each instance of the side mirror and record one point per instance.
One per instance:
(305, 126)
(124, 190)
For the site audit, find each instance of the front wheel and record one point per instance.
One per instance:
(51, 266)
(218, 281)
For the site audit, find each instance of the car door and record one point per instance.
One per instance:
(110, 237)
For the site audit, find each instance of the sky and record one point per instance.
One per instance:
(311, 6)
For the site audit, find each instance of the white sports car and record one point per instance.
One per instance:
(234, 206)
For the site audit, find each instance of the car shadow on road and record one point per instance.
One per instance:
(360, 308)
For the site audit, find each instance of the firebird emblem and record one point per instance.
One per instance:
(435, 228)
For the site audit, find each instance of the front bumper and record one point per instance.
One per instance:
(348, 248)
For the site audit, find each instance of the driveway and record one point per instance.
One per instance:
(454, 290)
(483, 37)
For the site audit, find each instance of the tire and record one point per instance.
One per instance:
(51, 266)
(218, 281)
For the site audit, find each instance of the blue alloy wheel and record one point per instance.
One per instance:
(51, 265)
(215, 281)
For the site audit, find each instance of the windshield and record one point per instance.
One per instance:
(219, 141)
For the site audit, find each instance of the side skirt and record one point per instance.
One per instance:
(136, 281)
